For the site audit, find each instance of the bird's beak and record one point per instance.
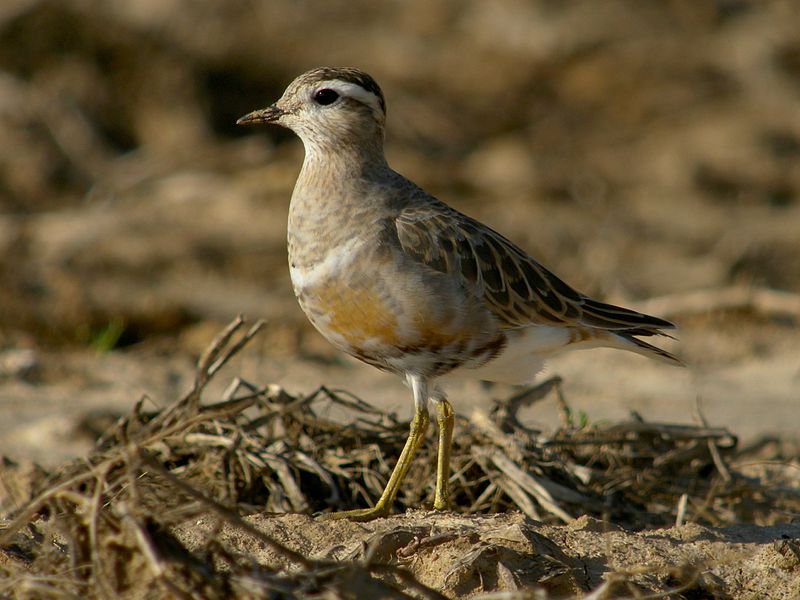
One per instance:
(271, 114)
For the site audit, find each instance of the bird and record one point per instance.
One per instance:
(402, 281)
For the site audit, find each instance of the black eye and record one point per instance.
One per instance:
(326, 96)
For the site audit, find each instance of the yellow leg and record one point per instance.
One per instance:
(445, 420)
(419, 426)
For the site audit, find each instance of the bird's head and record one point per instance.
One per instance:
(328, 108)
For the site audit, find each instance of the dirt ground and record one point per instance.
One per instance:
(649, 153)
(462, 555)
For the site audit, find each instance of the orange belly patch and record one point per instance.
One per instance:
(357, 315)
(437, 335)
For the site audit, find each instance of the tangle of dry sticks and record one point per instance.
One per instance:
(105, 526)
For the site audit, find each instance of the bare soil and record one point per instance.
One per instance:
(463, 556)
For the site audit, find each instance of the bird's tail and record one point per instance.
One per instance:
(623, 327)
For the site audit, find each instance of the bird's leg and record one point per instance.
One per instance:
(445, 420)
(419, 425)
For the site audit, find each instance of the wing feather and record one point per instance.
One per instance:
(514, 287)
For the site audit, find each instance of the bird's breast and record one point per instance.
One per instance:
(364, 302)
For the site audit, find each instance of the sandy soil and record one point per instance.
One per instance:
(464, 556)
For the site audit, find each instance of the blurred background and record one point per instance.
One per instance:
(648, 152)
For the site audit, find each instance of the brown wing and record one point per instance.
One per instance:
(517, 289)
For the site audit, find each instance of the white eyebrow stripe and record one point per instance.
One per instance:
(353, 90)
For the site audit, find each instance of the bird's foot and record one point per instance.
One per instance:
(359, 514)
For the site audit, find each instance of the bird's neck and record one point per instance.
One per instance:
(333, 196)
(344, 158)
(336, 172)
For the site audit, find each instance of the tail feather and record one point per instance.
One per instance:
(616, 318)
(634, 344)
(623, 327)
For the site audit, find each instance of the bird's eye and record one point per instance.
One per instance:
(326, 96)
